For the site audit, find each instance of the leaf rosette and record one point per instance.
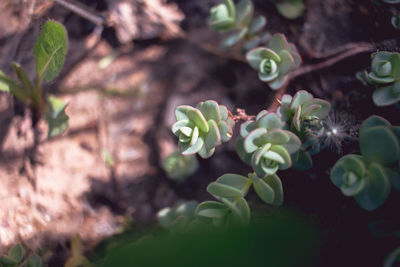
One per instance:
(265, 146)
(201, 129)
(222, 16)
(302, 107)
(368, 177)
(385, 73)
(274, 62)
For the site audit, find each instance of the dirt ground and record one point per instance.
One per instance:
(121, 94)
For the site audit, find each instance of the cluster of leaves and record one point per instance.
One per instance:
(290, 9)
(228, 17)
(385, 75)
(178, 166)
(50, 51)
(230, 209)
(203, 128)
(16, 257)
(267, 144)
(368, 177)
(273, 62)
(304, 116)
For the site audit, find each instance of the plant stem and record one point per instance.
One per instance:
(82, 11)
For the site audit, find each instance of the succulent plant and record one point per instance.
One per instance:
(368, 177)
(385, 74)
(290, 9)
(179, 167)
(265, 146)
(178, 217)
(275, 61)
(302, 107)
(227, 17)
(201, 129)
(223, 16)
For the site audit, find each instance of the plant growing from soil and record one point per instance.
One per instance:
(267, 142)
(50, 50)
(368, 177)
(17, 257)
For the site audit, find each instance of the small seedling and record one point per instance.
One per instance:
(50, 50)
(178, 167)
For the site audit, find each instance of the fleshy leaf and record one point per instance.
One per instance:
(256, 55)
(278, 42)
(270, 121)
(263, 190)
(210, 110)
(213, 137)
(225, 130)
(197, 118)
(244, 13)
(257, 24)
(290, 9)
(287, 62)
(16, 253)
(302, 161)
(234, 39)
(379, 144)
(372, 121)
(376, 190)
(229, 186)
(249, 141)
(50, 50)
(384, 96)
(211, 209)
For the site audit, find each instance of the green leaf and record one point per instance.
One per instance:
(244, 13)
(287, 62)
(180, 112)
(270, 121)
(278, 82)
(229, 186)
(290, 9)
(211, 209)
(56, 116)
(257, 24)
(3, 85)
(213, 137)
(225, 131)
(295, 55)
(278, 42)
(322, 111)
(13, 87)
(34, 261)
(249, 142)
(50, 50)
(377, 188)
(6, 261)
(240, 210)
(300, 98)
(198, 119)
(188, 149)
(234, 39)
(256, 55)
(187, 209)
(379, 144)
(275, 136)
(384, 96)
(263, 190)
(23, 77)
(243, 155)
(380, 80)
(395, 62)
(210, 110)
(372, 121)
(17, 252)
(276, 184)
(293, 144)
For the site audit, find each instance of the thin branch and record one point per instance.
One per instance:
(332, 61)
(82, 11)
(335, 51)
